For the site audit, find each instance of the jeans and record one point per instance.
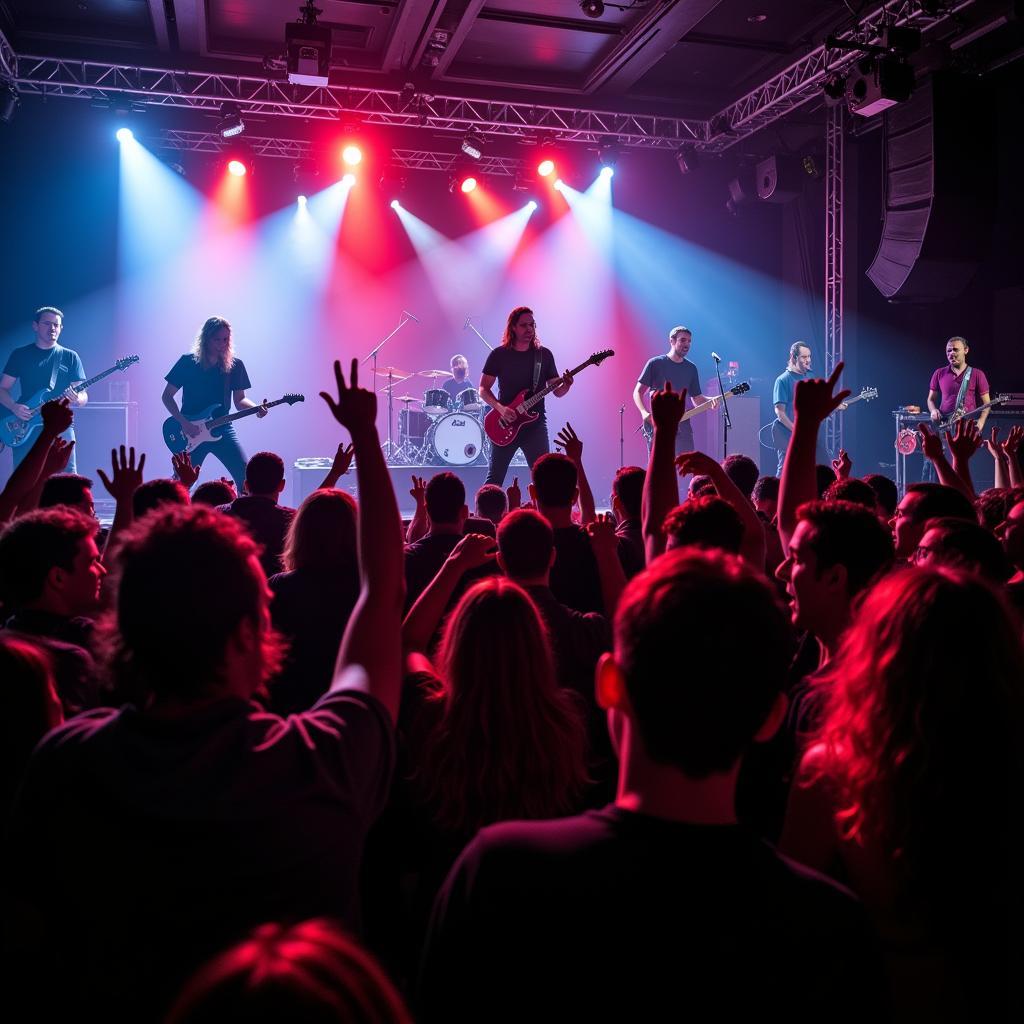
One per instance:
(533, 440)
(228, 451)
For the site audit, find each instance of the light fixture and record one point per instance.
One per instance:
(687, 160)
(8, 101)
(592, 8)
(608, 158)
(395, 204)
(473, 145)
(231, 123)
(349, 180)
(124, 134)
(352, 155)
(237, 168)
(546, 167)
(469, 183)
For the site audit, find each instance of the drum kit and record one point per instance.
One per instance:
(443, 431)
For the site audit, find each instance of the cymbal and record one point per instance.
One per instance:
(407, 398)
(392, 371)
(435, 373)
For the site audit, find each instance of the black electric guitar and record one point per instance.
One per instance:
(734, 392)
(178, 441)
(14, 431)
(781, 433)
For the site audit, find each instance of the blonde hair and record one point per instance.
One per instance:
(201, 346)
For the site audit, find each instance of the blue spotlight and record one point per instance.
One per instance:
(558, 185)
(607, 172)
(301, 200)
(125, 135)
(395, 204)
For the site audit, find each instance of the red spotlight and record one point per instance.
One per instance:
(352, 155)
(468, 184)
(237, 168)
(546, 167)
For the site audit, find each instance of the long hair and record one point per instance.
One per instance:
(924, 730)
(323, 532)
(511, 743)
(200, 348)
(513, 318)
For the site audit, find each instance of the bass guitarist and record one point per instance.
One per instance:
(957, 387)
(212, 375)
(519, 363)
(672, 367)
(43, 366)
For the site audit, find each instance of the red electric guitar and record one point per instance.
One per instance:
(502, 433)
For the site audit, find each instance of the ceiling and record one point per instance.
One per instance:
(685, 58)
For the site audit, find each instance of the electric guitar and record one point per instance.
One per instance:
(734, 392)
(907, 438)
(781, 433)
(178, 441)
(502, 433)
(14, 431)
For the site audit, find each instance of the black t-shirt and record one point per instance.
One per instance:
(423, 561)
(33, 367)
(574, 579)
(514, 371)
(203, 386)
(268, 524)
(613, 914)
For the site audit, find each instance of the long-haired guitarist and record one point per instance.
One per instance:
(43, 366)
(672, 367)
(211, 375)
(957, 387)
(520, 363)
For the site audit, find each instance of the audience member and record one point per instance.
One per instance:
(266, 519)
(766, 497)
(824, 477)
(154, 494)
(68, 489)
(660, 899)
(853, 490)
(627, 497)
(886, 494)
(743, 472)
(921, 503)
(961, 544)
(491, 503)
(215, 492)
(706, 522)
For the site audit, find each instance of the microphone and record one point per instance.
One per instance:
(406, 312)
(717, 358)
(465, 326)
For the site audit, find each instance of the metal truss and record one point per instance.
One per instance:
(802, 81)
(266, 97)
(213, 142)
(834, 149)
(8, 60)
(432, 160)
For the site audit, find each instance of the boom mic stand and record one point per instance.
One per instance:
(389, 445)
(726, 418)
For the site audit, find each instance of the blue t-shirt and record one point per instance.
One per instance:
(33, 366)
(782, 393)
(661, 369)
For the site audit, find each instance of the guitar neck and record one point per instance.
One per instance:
(221, 420)
(84, 386)
(529, 403)
(950, 424)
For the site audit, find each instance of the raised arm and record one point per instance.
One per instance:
(57, 417)
(124, 480)
(753, 548)
(573, 446)
(661, 485)
(377, 617)
(418, 526)
(1000, 458)
(604, 544)
(339, 467)
(813, 402)
(931, 445)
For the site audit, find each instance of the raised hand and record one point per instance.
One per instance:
(667, 407)
(566, 438)
(814, 400)
(57, 416)
(695, 462)
(355, 408)
(514, 495)
(474, 550)
(843, 465)
(58, 456)
(995, 448)
(183, 468)
(931, 444)
(1013, 440)
(965, 440)
(602, 534)
(419, 490)
(125, 477)
(343, 459)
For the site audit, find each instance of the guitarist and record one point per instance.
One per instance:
(209, 375)
(672, 367)
(43, 365)
(519, 363)
(957, 387)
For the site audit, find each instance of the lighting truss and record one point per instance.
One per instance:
(266, 97)
(430, 160)
(214, 142)
(802, 80)
(834, 240)
(8, 60)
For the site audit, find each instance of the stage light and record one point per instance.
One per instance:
(608, 158)
(468, 184)
(237, 168)
(8, 101)
(546, 167)
(124, 134)
(607, 172)
(349, 180)
(301, 200)
(532, 205)
(592, 8)
(473, 145)
(352, 155)
(231, 123)
(395, 204)
(687, 160)
(559, 184)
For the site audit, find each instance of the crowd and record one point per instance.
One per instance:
(756, 751)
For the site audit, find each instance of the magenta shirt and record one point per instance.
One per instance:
(947, 384)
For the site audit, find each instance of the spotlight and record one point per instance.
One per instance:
(301, 200)
(349, 180)
(395, 204)
(473, 145)
(237, 168)
(8, 101)
(687, 160)
(609, 158)
(306, 176)
(124, 134)
(392, 179)
(607, 172)
(546, 167)
(231, 123)
(559, 185)
(592, 8)
(352, 155)
(834, 89)
(468, 184)
(532, 205)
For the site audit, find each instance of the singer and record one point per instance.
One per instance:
(682, 373)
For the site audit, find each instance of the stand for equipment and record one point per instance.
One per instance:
(726, 418)
(390, 452)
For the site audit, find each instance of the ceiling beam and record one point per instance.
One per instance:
(459, 31)
(158, 16)
(653, 35)
(410, 31)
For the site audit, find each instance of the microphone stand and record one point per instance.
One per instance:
(622, 440)
(389, 445)
(726, 418)
(469, 325)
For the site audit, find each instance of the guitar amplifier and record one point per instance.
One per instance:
(100, 426)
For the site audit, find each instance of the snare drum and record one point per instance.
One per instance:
(469, 401)
(437, 401)
(456, 439)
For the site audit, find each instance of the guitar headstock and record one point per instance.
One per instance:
(292, 399)
(739, 389)
(999, 399)
(597, 358)
(867, 394)
(125, 361)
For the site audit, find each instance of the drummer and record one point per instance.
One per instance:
(459, 380)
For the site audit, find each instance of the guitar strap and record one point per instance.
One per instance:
(536, 370)
(226, 403)
(56, 368)
(962, 393)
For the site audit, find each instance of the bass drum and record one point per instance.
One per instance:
(456, 439)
